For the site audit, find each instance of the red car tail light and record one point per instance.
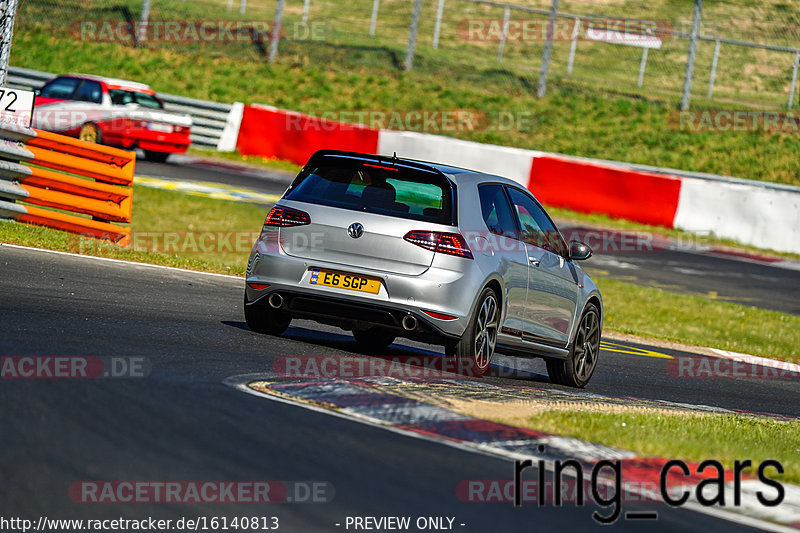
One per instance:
(281, 217)
(258, 286)
(440, 316)
(444, 243)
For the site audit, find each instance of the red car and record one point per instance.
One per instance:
(113, 112)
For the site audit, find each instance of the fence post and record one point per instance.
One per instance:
(242, 6)
(7, 22)
(373, 21)
(713, 71)
(687, 80)
(230, 5)
(437, 27)
(573, 45)
(502, 45)
(306, 5)
(412, 34)
(794, 80)
(141, 31)
(276, 31)
(548, 50)
(642, 66)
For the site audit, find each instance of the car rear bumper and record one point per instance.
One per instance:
(150, 140)
(358, 315)
(437, 290)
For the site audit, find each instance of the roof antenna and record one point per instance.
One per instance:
(394, 157)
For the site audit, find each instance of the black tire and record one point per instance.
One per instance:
(90, 132)
(263, 319)
(473, 353)
(156, 157)
(577, 369)
(373, 339)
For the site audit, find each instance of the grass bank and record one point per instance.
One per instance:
(570, 120)
(688, 436)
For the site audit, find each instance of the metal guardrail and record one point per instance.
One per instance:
(78, 176)
(208, 118)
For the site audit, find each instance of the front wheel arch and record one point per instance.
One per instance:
(579, 366)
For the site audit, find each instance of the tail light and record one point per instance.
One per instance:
(443, 243)
(440, 316)
(131, 123)
(181, 129)
(281, 217)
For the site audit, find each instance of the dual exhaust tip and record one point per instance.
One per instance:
(409, 322)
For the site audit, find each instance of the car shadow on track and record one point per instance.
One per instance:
(505, 370)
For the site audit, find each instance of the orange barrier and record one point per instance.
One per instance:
(73, 224)
(80, 177)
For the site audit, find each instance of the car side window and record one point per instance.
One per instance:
(148, 100)
(496, 211)
(89, 91)
(119, 97)
(537, 228)
(60, 88)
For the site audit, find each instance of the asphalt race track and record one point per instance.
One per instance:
(681, 266)
(183, 167)
(181, 423)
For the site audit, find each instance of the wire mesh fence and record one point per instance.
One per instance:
(746, 50)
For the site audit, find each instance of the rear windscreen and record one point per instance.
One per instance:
(382, 189)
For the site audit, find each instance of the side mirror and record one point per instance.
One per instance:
(579, 251)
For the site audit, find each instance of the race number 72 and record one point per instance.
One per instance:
(7, 99)
(16, 106)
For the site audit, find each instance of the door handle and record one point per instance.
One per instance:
(533, 261)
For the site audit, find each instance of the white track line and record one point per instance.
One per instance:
(756, 360)
(122, 261)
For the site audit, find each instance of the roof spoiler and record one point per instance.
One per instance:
(373, 158)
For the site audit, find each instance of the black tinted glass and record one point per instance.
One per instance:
(537, 228)
(496, 211)
(60, 88)
(392, 190)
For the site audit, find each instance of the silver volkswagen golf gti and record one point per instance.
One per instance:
(388, 247)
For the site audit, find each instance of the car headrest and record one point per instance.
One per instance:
(375, 196)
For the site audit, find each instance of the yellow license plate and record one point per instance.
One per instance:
(345, 281)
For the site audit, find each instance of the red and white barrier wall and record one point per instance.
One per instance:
(274, 133)
(757, 213)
